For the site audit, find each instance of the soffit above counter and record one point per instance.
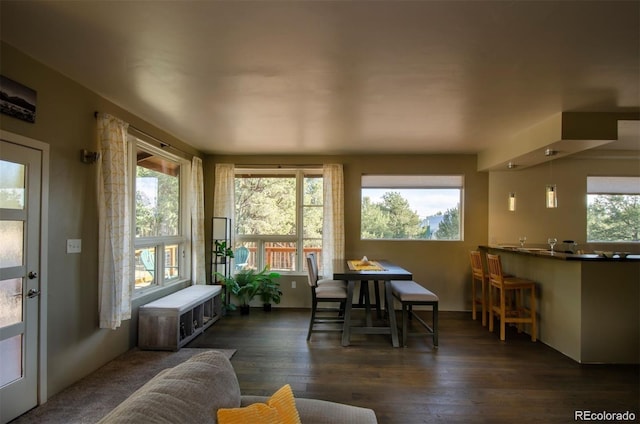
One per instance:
(567, 134)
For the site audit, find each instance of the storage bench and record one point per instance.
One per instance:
(174, 320)
(410, 293)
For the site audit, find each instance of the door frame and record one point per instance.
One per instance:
(44, 264)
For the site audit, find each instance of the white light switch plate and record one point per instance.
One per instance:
(74, 245)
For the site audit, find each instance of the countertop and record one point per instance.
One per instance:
(546, 253)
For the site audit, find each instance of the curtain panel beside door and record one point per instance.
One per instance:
(114, 215)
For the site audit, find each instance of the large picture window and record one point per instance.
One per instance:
(613, 209)
(278, 216)
(159, 217)
(411, 207)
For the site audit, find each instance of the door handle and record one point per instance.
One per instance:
(33, 293)
(32, 275)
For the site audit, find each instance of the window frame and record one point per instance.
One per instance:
(160, 243)
(300, 173)
(609, 185)
(417, 182)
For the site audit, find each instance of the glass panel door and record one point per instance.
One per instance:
(12, 188)
(20, 189)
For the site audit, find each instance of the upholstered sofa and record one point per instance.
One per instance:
(193, 391)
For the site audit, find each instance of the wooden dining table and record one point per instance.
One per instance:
(380, 270)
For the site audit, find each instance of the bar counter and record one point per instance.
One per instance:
(544, 252)
(588, 305)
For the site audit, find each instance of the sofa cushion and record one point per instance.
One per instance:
(279, 409)
(190, 392)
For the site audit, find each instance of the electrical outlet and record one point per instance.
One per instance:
(293, 284)
(74, 245)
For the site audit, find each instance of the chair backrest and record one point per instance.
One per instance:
(476, 265)
(146, 257)
(495, 269)
(312, 269)
(241, 256)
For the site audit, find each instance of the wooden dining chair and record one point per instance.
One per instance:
(328, 292)
(323, 281)
(503, 288)
(479, 279)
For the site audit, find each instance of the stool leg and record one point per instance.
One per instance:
(484, 303)
(503, 313)
(534, 326)
(473, 298)
(491, 308)
(521, 310)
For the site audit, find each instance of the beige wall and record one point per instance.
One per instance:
(65, 121)
(532, 218)
(442, 266)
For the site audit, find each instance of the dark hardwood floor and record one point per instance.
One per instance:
(471, 378)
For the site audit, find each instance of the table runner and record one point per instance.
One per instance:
(358, 265)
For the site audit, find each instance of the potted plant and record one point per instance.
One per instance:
(222, 254)
(245, 285)
(222, 250)
(269, 290)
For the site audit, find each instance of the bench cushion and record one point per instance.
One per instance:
(331, 292)
(185, 299)
(410, 291)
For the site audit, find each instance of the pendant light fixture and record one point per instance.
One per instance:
(512, 195)
(552, 196)
(551, 192)
(512, 201)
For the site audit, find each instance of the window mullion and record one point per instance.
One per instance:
(299, 219)
(160, 262)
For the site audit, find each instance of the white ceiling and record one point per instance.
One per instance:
(329, 77)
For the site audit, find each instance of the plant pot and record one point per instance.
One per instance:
(266, 307)
(244, 309)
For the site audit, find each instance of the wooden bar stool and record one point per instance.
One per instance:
(481, 278)
(516, 311)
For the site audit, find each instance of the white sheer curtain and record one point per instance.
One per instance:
(196, 192)
(114, 216)
(333, 217)
(223, 192)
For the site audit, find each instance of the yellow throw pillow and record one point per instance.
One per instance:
(256, 413)
(285, 404)
(280, 409)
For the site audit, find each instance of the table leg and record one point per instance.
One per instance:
(364, 287)
(376, 289)
(392, 314)
(346, 327)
